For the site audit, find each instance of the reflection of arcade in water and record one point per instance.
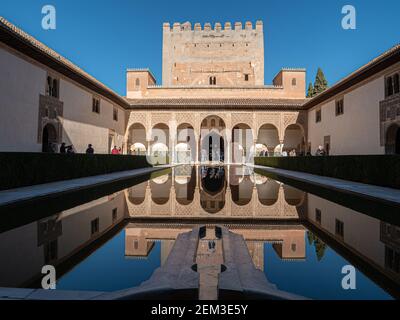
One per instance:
(66, 239)
(221, 191)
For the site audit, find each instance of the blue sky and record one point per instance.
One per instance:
(106, 37)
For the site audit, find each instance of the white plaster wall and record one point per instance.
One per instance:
(21, 83)
(82, 126)
(357, 130)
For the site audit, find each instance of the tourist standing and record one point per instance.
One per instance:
(63, 148)
(90, 149)
(115, 150)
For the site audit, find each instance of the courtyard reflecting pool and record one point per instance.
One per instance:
(299, 240)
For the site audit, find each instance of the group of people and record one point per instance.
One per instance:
(66, 149)
(90, 150)
(293, 153)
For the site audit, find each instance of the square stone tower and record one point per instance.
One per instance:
(220, 56)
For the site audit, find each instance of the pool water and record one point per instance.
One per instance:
(300, 241)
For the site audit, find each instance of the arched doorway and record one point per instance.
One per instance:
(159, 149)
(212, 140)
(392, 145)
(49, 139)
(242, 144)
(294, 140)
(268, 140)
(137, 142)
(185, 150)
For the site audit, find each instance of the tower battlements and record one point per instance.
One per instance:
(219, 55)
(218, 27)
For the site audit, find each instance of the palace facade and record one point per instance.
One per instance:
(213, 104)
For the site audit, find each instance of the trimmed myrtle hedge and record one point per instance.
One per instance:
(380, 170)
(18, 169)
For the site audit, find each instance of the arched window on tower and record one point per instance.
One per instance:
(137, 82)
(213, 81)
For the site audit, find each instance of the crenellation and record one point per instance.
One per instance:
(249, 25)
(177, 27)
(227, 26)
(238, 26)
(259, 25)
(213, 55)
(187, 26)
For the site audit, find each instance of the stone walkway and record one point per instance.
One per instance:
(388, 195)
(43, 190)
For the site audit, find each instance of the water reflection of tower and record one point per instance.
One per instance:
(166, 247)
(256, 251)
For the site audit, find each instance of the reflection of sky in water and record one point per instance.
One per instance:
(317, 279)
(107, 269)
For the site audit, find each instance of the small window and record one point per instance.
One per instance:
(392, 259)
(114, 215)
(137, 83)
(213, 81)
(318, 115)
(96, 105)
(339, 107)
(389, 86)
(318, 216)
(95, 226)
(339, 228)
(115, 114)
(294, 82)
(246, 77)
(52, 87)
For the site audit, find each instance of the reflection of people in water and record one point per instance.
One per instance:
(212, 173)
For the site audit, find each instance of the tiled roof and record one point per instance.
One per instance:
(220, 102)
(376, 65)
(21, 41)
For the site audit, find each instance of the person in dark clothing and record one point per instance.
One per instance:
(90, 149)
(63, 148)
(70, 149)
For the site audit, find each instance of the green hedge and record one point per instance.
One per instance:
(18, 169)
(381, 170)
